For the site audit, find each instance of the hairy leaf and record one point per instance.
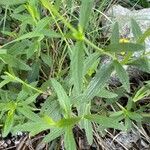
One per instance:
(68, 122)
(144, 36)
(32, 127)
(115, 34)
(12, 2)
(105, 121)
(77, 59)
(123, 75)
(89, 63)
(135, 29)
(98, 82)
(31, 99)
(106, 94)
(54, 133)
(125, 47)
(142, 64)
(85, 11)
(46, 59)
(69, 139)
(63, 98)
(26, 111)
(8, 123)
(14, 62)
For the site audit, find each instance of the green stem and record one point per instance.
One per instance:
(98, 49)
(52, 9)
(22, 82)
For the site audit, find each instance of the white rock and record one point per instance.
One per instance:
(123, 16)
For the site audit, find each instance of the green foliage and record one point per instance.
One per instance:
(50, 55)
(123, 75)
(77, 60)
(115, 34)
(136, 29)
(12, 2)
(85, 11)
(98, 82)
(125, 47)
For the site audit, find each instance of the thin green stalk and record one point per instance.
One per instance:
(5, 15)
(22, 82)
(52, 10)
(98, 49)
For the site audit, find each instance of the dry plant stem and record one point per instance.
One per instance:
(22, 142)
(114, 139)
(98, 137)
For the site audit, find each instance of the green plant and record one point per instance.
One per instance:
(73, 85)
